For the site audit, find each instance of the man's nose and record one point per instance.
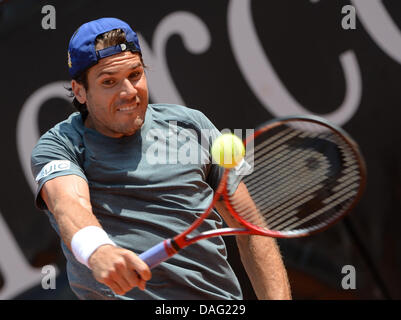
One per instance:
(128, 89)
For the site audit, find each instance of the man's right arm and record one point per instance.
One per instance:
(68, 199)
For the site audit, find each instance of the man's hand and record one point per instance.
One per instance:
(120, 269)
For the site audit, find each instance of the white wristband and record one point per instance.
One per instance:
(86, 241)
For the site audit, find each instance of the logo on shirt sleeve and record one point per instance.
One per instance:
(53, 166)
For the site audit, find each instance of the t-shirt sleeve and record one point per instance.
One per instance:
(215, 172)
(53, 157)
(209, 134)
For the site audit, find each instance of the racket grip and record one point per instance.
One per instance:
(158, 253)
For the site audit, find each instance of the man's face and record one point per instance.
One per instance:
(117, 95)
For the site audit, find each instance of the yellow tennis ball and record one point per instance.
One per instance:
(228, 150)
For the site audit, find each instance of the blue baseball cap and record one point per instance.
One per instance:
(81, 50)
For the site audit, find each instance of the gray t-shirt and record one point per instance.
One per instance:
(145, 188)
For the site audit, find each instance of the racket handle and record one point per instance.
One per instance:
(158, 253)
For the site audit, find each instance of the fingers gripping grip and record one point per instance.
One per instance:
(158, 253)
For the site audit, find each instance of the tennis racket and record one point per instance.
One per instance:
(299, 176)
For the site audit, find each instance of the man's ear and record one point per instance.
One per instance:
(79, 91)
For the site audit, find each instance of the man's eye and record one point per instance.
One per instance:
(108, 82)
(135, 75)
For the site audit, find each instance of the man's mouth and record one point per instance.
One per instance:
(128, 108)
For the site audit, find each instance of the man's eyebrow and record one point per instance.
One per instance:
(133, 66)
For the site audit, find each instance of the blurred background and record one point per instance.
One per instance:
(241, 62)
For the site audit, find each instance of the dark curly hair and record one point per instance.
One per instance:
(81, 107)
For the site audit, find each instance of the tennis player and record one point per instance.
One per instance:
(109, 201)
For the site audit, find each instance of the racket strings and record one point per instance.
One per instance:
(299, 179)
(281, 197)
(274, 159)
(318, 212)
(284, 194)
(281, 174)
(273, 150)
(274, 170)
(261, 148)
(289, 168)
(290, 200)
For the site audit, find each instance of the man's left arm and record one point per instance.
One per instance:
(261, 258)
